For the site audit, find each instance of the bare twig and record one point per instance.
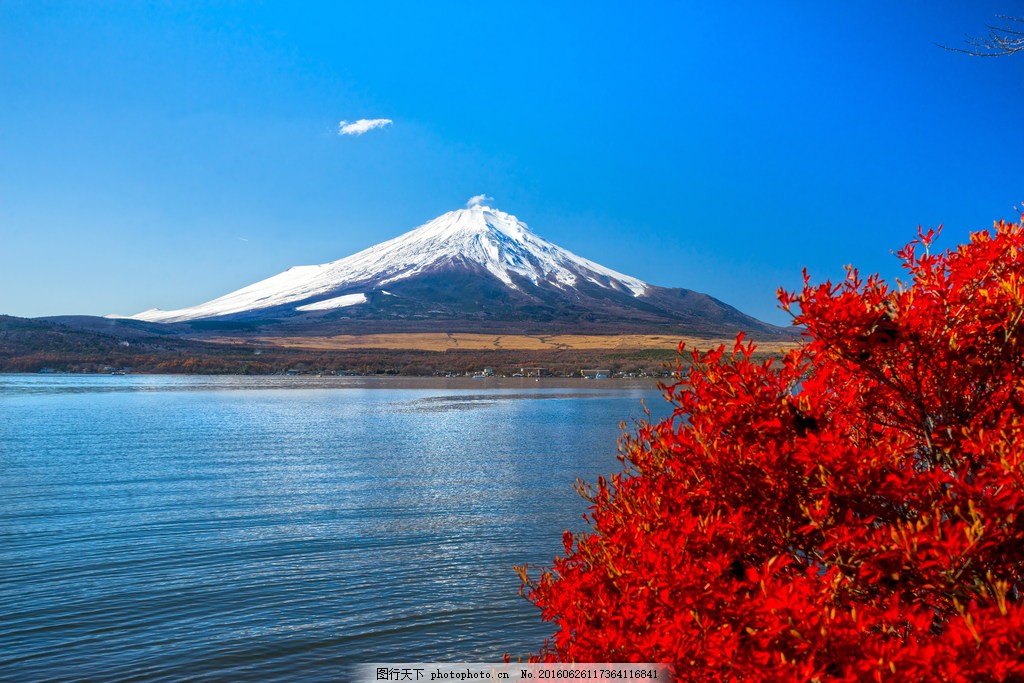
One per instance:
(1000, 41)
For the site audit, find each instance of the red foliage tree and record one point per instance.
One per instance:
(853, 512)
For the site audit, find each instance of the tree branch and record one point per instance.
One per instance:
(1000, 41)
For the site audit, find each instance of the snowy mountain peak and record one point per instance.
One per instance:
(478, 238)
(475, 220)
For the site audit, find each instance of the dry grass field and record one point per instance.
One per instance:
(440, 341)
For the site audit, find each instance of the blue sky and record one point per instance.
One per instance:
(160, 155)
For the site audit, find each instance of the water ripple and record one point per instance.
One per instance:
(223, 529)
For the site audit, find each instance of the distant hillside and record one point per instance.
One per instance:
(33, 345)
(22, 336)
(30, 345)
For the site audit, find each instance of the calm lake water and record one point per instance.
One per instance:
(260, 529)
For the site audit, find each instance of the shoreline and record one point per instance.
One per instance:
(373, 381)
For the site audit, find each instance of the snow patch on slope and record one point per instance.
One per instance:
(335, 302)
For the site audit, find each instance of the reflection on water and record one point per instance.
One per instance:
(161, 528)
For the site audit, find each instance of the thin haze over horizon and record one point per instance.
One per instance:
(159, 156)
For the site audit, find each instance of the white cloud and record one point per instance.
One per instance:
(361, 126)
(478, 200)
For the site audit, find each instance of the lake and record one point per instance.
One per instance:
(272, 529)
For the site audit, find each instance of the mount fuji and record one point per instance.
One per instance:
(476, 268)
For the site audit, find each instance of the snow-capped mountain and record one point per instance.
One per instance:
(477, 263)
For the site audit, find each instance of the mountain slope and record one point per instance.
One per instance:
(474, 265)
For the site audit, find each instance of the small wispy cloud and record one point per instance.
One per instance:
(361, 126)
(478, 200)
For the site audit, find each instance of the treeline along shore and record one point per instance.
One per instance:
(33, 346)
